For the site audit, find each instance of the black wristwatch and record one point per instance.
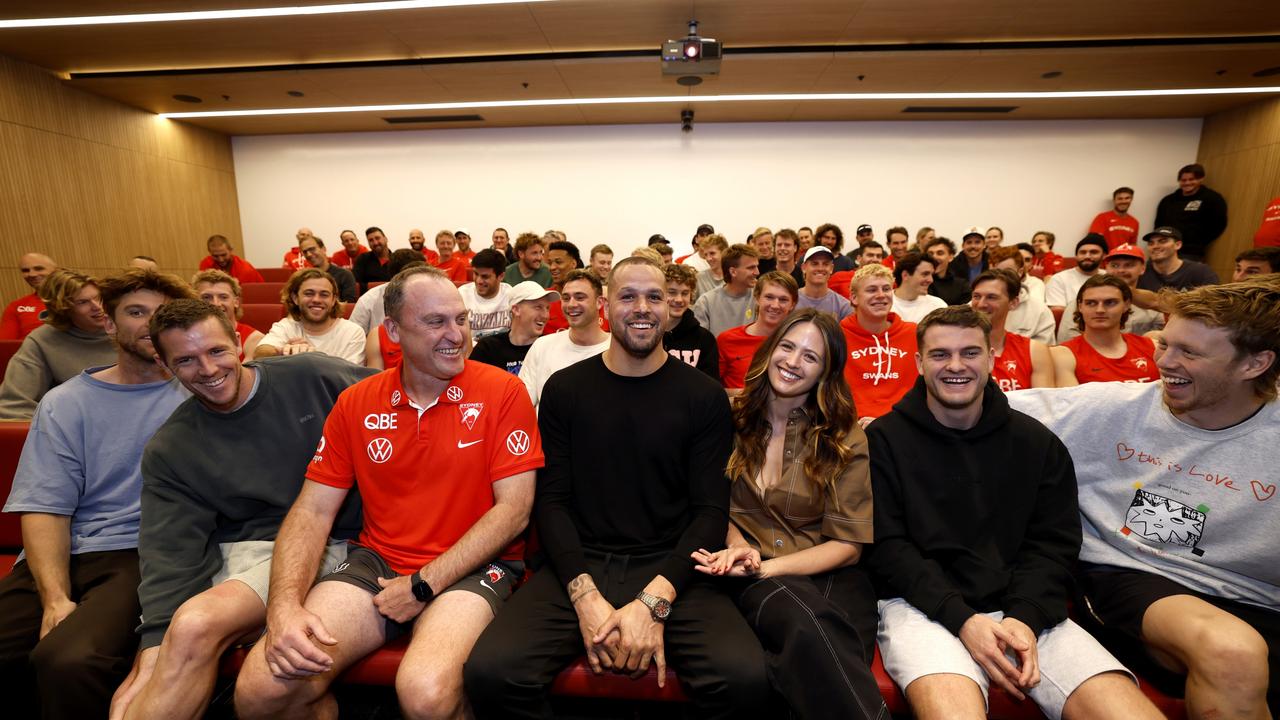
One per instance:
(659, 608)
(421, 590)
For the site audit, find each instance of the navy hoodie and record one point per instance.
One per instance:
(975, 520)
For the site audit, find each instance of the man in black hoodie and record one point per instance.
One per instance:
(977, 528)
(685, 338)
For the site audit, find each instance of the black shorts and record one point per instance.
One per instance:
(1119, 599)
(494, 582)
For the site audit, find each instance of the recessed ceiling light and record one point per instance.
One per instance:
(187, 98)
(350, 7)
(779, 97)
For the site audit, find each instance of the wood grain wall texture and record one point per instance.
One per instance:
(1240, 151)
(92, 182)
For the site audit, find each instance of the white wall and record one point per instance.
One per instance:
(620, 184)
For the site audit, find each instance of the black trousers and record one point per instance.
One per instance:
(819, 636)
(75, 669)
(707, 643)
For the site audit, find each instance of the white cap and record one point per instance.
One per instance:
(815, 250)
(530, 290)
(975, 230)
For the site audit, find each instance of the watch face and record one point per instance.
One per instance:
(661, 609)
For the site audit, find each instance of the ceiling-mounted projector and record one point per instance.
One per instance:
(692, 55)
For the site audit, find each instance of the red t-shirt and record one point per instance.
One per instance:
(1268, 234)
(465, 254)
(1012, 370)
(245, 331)
(1117, 229)
(21, 317)
(240, 269)
(426, 478)
(431, 256)
(295, 260)
(343, 260)
(1137, 365)
(840, 282)
(736, 347)
(556, 321)
(457, 268)
(388, 348)
(1048, 263)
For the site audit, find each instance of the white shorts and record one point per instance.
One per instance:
(912, 646)
(249, 561)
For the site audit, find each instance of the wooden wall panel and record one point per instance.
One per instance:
(92, 182)
(1240, 150)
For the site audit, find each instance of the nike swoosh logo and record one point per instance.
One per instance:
(473, 442)
(490, 589)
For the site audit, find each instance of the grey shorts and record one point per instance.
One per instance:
(249, 561)
(494, 582)
(912, 646)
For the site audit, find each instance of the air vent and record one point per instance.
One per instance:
(952, 109)
(432, 119)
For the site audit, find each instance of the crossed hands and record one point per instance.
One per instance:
(735, 561)
(990, 643)
(623, 640)
(297, 346)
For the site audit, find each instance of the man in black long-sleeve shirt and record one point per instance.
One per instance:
(977, 528)
(1198, 212)
(636, 443)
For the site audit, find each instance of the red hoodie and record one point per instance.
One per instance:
(881, 368)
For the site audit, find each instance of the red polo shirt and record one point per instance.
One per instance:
(1116, 228)
(736, 347)
(240, 269)
(426, 476)
(456, 267)
(343, 260)
(1268, 234)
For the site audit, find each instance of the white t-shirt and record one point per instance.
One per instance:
(550, 353)
(368, 313)
(344, 339)
(489, 316)
(1034, 286)
(1063, 286)
(915, 310)
(1031, 318)
(696, 262)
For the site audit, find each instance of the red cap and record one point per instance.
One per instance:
(1127, 250)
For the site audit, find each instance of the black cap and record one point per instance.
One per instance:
(1093, 239)
(1166, 231)
(863, 228)
(705, 229)
(656, 238)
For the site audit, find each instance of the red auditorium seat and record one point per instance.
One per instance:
(347, 308)
(7, 349)
(275, 275)
(12, 437)
(262, 316)
(261, 293)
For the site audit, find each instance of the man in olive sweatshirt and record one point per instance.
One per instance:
(217, 480)
(977, 528)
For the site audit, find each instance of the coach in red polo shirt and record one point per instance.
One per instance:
(443, 451)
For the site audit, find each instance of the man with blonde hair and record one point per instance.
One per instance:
(72, 339)
(1177, 497)
(315, 322)
(881, 345)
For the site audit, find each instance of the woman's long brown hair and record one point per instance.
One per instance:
(829, 406)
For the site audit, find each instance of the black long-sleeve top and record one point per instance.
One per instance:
(1201, 217)
(974, 520)
(692, 343)
(635, 465)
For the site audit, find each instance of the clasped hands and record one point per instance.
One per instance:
(734, 561)
(623, 640)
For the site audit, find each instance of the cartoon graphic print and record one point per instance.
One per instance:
(1159, 519)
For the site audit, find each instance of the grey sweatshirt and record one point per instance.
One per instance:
(47, 358)
(210, 478)
(718, 311)
(1160, 496)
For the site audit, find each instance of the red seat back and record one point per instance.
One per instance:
(276, 274)
(13, 435)
(262, 316)
(261, 293)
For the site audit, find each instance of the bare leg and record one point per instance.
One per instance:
(1109, 695)
(429, 682)
(946, 696)
(187, 667)
(1224, 657)
(349, 615)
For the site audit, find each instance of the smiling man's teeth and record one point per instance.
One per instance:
(956, 381)
(215, 383)
(1175, 381)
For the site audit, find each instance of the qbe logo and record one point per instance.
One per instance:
(518, 442)
(379, 450)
